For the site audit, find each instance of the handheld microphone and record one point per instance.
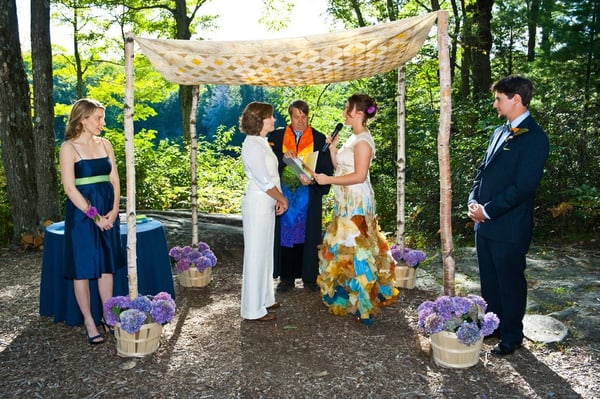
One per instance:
(335, 132)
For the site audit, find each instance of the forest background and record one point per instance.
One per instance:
(554, 43)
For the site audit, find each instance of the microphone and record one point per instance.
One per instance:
(335, 132)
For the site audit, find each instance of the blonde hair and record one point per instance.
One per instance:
(81, 110)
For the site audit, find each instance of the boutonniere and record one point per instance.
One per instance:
(514, 132)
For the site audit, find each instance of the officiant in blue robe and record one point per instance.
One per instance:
(298, 232)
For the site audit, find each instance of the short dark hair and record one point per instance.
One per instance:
(515, 84)
(300, 105)
(364, 103)
(251, 120)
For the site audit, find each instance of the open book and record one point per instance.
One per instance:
(303, 166)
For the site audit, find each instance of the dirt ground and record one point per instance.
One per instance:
(208, 351)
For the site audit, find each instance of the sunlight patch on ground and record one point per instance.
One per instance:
(13, 324)
(198, 329)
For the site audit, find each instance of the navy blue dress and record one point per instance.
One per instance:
(89, 251)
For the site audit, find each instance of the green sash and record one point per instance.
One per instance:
(92, 179)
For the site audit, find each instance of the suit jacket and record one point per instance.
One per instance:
(506, 186)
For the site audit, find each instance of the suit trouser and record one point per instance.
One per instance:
(291, 262)
(503, 284)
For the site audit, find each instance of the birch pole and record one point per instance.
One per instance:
(444, 155)
(194, 165)
(130, 170)
(401, 161)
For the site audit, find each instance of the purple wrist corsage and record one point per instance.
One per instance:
(92, 213)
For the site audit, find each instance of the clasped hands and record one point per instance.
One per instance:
(107, 221)
(476, 213)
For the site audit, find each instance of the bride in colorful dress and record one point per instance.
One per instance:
(356, 268)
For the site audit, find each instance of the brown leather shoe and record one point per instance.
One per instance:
(267, 317)
(274, 306)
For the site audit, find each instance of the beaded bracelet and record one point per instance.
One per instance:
(92, 213)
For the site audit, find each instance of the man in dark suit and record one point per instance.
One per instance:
(501, 204)
(298, 232)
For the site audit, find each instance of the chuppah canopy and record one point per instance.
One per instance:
(309, 60)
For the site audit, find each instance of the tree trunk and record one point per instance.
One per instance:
(185, 92)
(454, 37)
(532, 22)
(77, 55)
(194, 165)
(482, 71)
(132, 280)
(401, 161)
(45, 148)
(16, 130)
(444, 156)
(467, 45)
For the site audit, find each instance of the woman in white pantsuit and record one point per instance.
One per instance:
(262, 201)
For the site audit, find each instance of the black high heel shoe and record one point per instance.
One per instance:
(107, 327)
(93, 340)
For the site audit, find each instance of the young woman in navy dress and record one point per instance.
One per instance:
(92, 233)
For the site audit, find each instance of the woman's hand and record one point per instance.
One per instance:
(104, 223)
(305, 180)
(323, 179)
(281, 207)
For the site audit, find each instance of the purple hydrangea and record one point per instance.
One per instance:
(162, 311)
(163, 296)
(479, 301)
(142, 303)
(464, 316)
(113, 308)
(396, 253)
(462, 305)
(144, 309)
(490, 323)
(433, 324)
(468, 333)
(444, 306)
(202, 246)
(201, 258)
(410, 257)
(132, 320)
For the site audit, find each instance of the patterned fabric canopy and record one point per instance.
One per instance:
(308, 60)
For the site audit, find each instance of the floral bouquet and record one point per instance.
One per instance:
(201, 258)
(146, 309)
(410, 257)
(464, 316)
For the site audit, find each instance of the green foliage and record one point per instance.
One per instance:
(163, 177)
(566, 104)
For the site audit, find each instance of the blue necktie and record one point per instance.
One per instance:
(498, 140)
(298, 135)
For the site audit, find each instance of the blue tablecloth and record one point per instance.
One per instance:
(57, 297)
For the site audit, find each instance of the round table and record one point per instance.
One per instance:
(154, 274)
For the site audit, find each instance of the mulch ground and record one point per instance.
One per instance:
(208, 351)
